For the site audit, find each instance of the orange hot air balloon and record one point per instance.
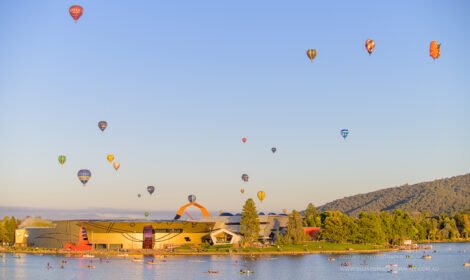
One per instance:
(76, 12)
(311, 54)
(242, 190)
(435, 50)
(370, 46)
(116, 165)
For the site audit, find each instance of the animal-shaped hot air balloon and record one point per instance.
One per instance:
(116, 165)
(435, 50)
(191, 198)
(370, 45)
(62, 159)
(273, 149)
(344, 133)
(76, 12)
(150, 189)
(244, 139)
(245, 177)
(311, 53)
(102, 125)
(84, 175)
(242, 190)
(261, 195)
(110, 158)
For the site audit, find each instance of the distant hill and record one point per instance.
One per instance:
(444, 195)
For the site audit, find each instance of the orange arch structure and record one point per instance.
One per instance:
(204, 211)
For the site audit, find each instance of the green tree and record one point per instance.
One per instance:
(249, 223)
(311, 215)
(335, 226)
(295, 230)
(370, 228)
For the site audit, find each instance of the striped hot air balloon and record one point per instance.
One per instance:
(191, 198)
(76, 12)
(344, 133)
(311, 53)
(84, 175)
(370, 46)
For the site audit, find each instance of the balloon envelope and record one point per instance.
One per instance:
(84, 175)
(102, 125)
(146, 214)
(150, 189)
(139, 195)
(76, 12)
(110, 158)
(344, 133)
(245, 177)
(62, 159)
(273, 149)
(191, 198)
(116, 165)
(311, 53)
(261, 195)
(244, 139)
(370, 45)
(435, 50)
(242, 190)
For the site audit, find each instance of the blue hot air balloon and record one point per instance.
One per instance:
(191, 198)
(344, 133)
(84, 175)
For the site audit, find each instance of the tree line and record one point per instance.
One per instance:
(8, 226)
(367, 228)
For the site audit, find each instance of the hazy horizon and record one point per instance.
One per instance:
(181, 83)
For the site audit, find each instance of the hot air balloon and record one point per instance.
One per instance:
(191, 198)
(110, 158)
(102, 125)
(284, 211)
(435, 50)
(76, 12)
(242, 190)
(116, 165)
(245, 177)
(62, 159)
(311, 53)
(370, 45)
(261, 195)
(244, 139)
(150, 189)
(84, 175)
(273, 149)
(146, 214)
(344, 133)
(139, 195)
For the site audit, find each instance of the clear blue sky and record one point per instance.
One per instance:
(181, 82)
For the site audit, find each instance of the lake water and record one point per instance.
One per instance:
(446, 263)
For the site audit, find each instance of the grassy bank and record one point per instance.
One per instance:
(307, 248)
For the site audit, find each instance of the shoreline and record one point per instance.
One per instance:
(162, 253)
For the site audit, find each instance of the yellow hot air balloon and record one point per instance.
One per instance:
(110, 158)
(116, 165)
(261, 195)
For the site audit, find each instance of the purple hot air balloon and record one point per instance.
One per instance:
(150, 189)
(84, 175)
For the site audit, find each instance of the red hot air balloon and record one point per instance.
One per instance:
(244, 139)
(76, 12)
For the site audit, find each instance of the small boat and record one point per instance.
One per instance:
(212, 271)
(152, 262)
(331, 259)
(346, 264)
(138, 260)
(467, 264)
(408, 256)
(246, 271)
(88, 256)
(392, 265)
(411, 266)
(392, 271)
(426, 257)
(91, 266)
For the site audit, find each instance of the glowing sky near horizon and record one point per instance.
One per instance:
(181, 82)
